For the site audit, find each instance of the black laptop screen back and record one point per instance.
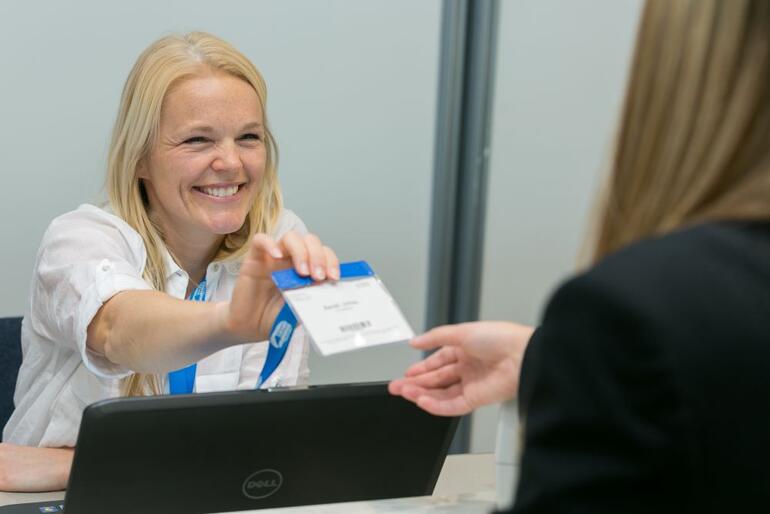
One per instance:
(252, 449)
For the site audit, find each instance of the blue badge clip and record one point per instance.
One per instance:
(285, 323)
(290, 279)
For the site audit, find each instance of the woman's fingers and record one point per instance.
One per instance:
(264, 256)
(332, 263)
(265, 243)
(310, 257)
(295, 249)
(316, 257)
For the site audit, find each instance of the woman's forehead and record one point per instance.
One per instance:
(211, 97)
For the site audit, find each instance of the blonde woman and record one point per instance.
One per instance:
(646, 387)
(194, 213)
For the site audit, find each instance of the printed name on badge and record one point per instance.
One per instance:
(353, 313)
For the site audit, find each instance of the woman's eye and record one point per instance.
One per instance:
(252, 137)
(195, 139)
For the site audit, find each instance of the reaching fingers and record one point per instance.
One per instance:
(412, 392)
(441, 402)
(395, 386)
(456, 406)
(442, 357)
(447, 335)
(439, 379)
(442, 377)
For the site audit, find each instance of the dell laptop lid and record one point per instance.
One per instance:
(242, 450)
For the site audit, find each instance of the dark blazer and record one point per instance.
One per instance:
(647, 386)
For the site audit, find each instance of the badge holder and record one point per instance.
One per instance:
(352, 313)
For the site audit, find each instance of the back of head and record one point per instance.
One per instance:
(694, 139)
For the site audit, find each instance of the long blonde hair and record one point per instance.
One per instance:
(694, 139)
(163, 64)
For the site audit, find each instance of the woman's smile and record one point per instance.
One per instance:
(221, 192)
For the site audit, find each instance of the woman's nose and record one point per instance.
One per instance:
(227, 157)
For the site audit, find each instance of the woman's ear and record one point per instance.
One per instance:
(141, 169)
(143, 192)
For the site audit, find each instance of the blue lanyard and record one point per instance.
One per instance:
(280, 335)
(182, 381)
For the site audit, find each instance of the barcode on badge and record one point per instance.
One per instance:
(358, 325)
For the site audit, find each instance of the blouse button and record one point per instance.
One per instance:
(215, 267)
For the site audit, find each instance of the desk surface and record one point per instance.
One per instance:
(466, 486)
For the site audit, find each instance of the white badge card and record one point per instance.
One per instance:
(353, 313)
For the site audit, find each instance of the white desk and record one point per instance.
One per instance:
(466, 486)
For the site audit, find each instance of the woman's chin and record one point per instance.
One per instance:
(227, 229)
(222, 227)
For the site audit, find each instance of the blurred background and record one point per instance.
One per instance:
(353, 100)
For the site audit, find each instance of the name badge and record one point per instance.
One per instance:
(352, 313)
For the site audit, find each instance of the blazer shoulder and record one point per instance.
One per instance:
(689, 273)
(689, 259)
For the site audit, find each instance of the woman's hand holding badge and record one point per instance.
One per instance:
(256, 301)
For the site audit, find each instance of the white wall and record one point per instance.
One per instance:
(352, 96)
(561, 69)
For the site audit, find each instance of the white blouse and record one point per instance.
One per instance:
(87, 256)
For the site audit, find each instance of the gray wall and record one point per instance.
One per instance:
(352, 102)
(352, 95)
(561, 70)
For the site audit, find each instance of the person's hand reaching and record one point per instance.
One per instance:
(476, 364)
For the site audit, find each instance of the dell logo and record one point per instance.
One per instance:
(262, 484)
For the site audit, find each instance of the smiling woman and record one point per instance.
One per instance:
(194, 214)
(202, 174)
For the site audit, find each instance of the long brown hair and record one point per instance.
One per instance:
(163, 64)
(694, 138)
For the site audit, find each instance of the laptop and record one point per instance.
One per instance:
(243, 450)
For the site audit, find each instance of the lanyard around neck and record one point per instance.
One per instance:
(182, 381)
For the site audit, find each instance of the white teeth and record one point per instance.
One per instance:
(220, 191)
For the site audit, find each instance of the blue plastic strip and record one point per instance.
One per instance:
(286, 322)
(182, 381)
(280, 335)
(290, 279)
